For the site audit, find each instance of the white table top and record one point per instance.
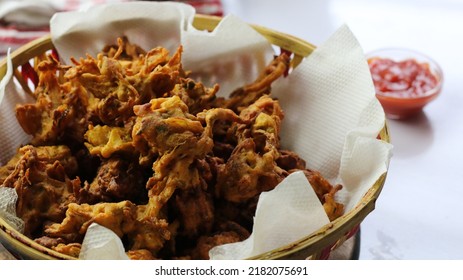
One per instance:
(417, 215)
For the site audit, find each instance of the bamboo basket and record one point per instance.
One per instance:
(317, 245)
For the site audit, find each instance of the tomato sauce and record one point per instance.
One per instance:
(406, 78)
(402, 87)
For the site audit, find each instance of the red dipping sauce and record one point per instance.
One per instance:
(404, 86)
(406, 78)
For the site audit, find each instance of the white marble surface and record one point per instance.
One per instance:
(417, 215)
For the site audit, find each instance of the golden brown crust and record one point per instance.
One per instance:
(136, 145)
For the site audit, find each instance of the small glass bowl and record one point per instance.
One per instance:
(400, 106)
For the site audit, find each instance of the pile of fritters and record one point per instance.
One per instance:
(129, 141)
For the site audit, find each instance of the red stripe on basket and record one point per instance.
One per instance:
(28, 72)
(353, 231)
(325, 253)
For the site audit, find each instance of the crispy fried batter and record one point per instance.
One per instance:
(122, 218)
(124, 50)
(43, 187)
(333, 208)
(230, 232)
(165, 164)
(111, 94)
(194, 209)
(195, 95)
(59, 114)
(118, 217)
(325, 192)
(163, 125)
(105, 141)
(164, 129)
(141, 254)
(251, 168)
(71, 249)
(48, 154)
(158, 74)
(116, 180)
(248, 94)
(289, 160)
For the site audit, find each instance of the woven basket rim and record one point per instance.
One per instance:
(313, 244)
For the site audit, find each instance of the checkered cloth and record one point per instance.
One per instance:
(24, 20)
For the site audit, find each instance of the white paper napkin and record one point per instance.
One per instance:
(101, 243)
(232, 55)
(281, 218)
(11, 133)
(8, 198)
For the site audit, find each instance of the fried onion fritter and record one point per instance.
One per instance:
(206, 243)
(194, 209)
(116, 180)
(60, 112)
(128, 140)
(165, 129)
(71, 249)
(252, 168)
(42, 184)
(248, 94)
(105, 141)
(121, 217)
(325, 192)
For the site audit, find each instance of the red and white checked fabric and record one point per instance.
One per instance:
(24, 20)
